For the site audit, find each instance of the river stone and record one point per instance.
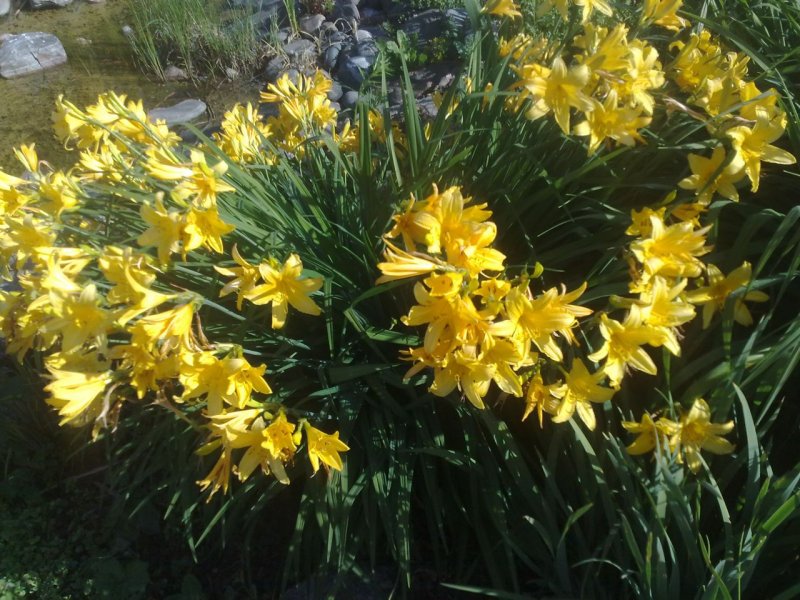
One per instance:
(332, 55)
(301, 50)
(36, 4)
(5, 7)
(310, 24)
(335, 93)
(182, 112)
(30, 52)
(349, 99)
(173, 73)
(352, 70)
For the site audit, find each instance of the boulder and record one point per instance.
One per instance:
(37, 4)
(275, 67)
(335, 92)
(347, 12)
(30, 52)
(349, 99)
(182, 112)
(5, 7)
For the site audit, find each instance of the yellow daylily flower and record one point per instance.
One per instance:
(714, 174)
(720, 287)
(579, 390)
(324, 447)
(696, 432)
(283, 287)
(502, 8)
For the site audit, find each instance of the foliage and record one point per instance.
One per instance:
(493, 503)
(203, 38)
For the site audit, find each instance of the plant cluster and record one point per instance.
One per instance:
(606, 165)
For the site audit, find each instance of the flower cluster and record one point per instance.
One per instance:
(482, 328)
(111, 328)
(685, 438)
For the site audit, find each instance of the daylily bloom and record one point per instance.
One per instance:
(324, 447)
(713, 297)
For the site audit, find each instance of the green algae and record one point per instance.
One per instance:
(99, 59)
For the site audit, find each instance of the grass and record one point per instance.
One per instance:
(203, 38)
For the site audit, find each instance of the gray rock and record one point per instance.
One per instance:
(231, 73)
(336, 106)
(432, 77)
(348, 12)
(327, 29)
(425, 26)
(368, 49)
(301, 50)
(127, 31)
(275, 67)
(284, 35)
(173, 73)
(362, 35)
(427, 108)
(37, 4)
(182, 112)
(376, 31)
(311, 24)
(353, 70)
(30, 52)
(457, 20)
(82, 41)
(335, 92)
(349, 99)
(332, 55)
(5, 7)
(372, 15)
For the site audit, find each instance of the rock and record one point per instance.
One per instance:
(5, 7)
(353, 69)
(349, 99)
(328, 29)
(30, 52)
(266, 11)
(425, 26)
(457, 20)
(347, 12)
(127, 31)
(96, 1)
(427, 108)
(301, 50)
(335, 92)
(332, 55)
(284, 35)
(37, 4)
(82, 41)
(275, 67)
(438, 76)
(362, 35)
(368, 49)
(372, 15)
(311, 24)
(376, 31)
(339, 36)
(336, 106)
(173, 73)
(231, 73)
(182, 112)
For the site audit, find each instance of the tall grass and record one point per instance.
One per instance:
(203, 38)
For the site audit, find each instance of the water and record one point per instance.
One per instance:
(106, 63)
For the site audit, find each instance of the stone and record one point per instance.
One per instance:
(362, 35)
(347, 12)
(335, 92)
(353, 69)
(301, 50)
(376, 31)
(336, 106)
(127, 31)
(173, 73)
(37, 4)
(5, 7)
(424, 26)
(457, 20)
(232, 73)
(30, 52)
(82, 41)
(182, 112)
(432, 77)
(327, 29)
(311, 24)
(331, 57)
(372, 15)
(349, 99)
(427, 108)
(275, 67)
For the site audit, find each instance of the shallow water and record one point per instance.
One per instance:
(106, 63)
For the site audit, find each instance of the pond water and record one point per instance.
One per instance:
(99, 59)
